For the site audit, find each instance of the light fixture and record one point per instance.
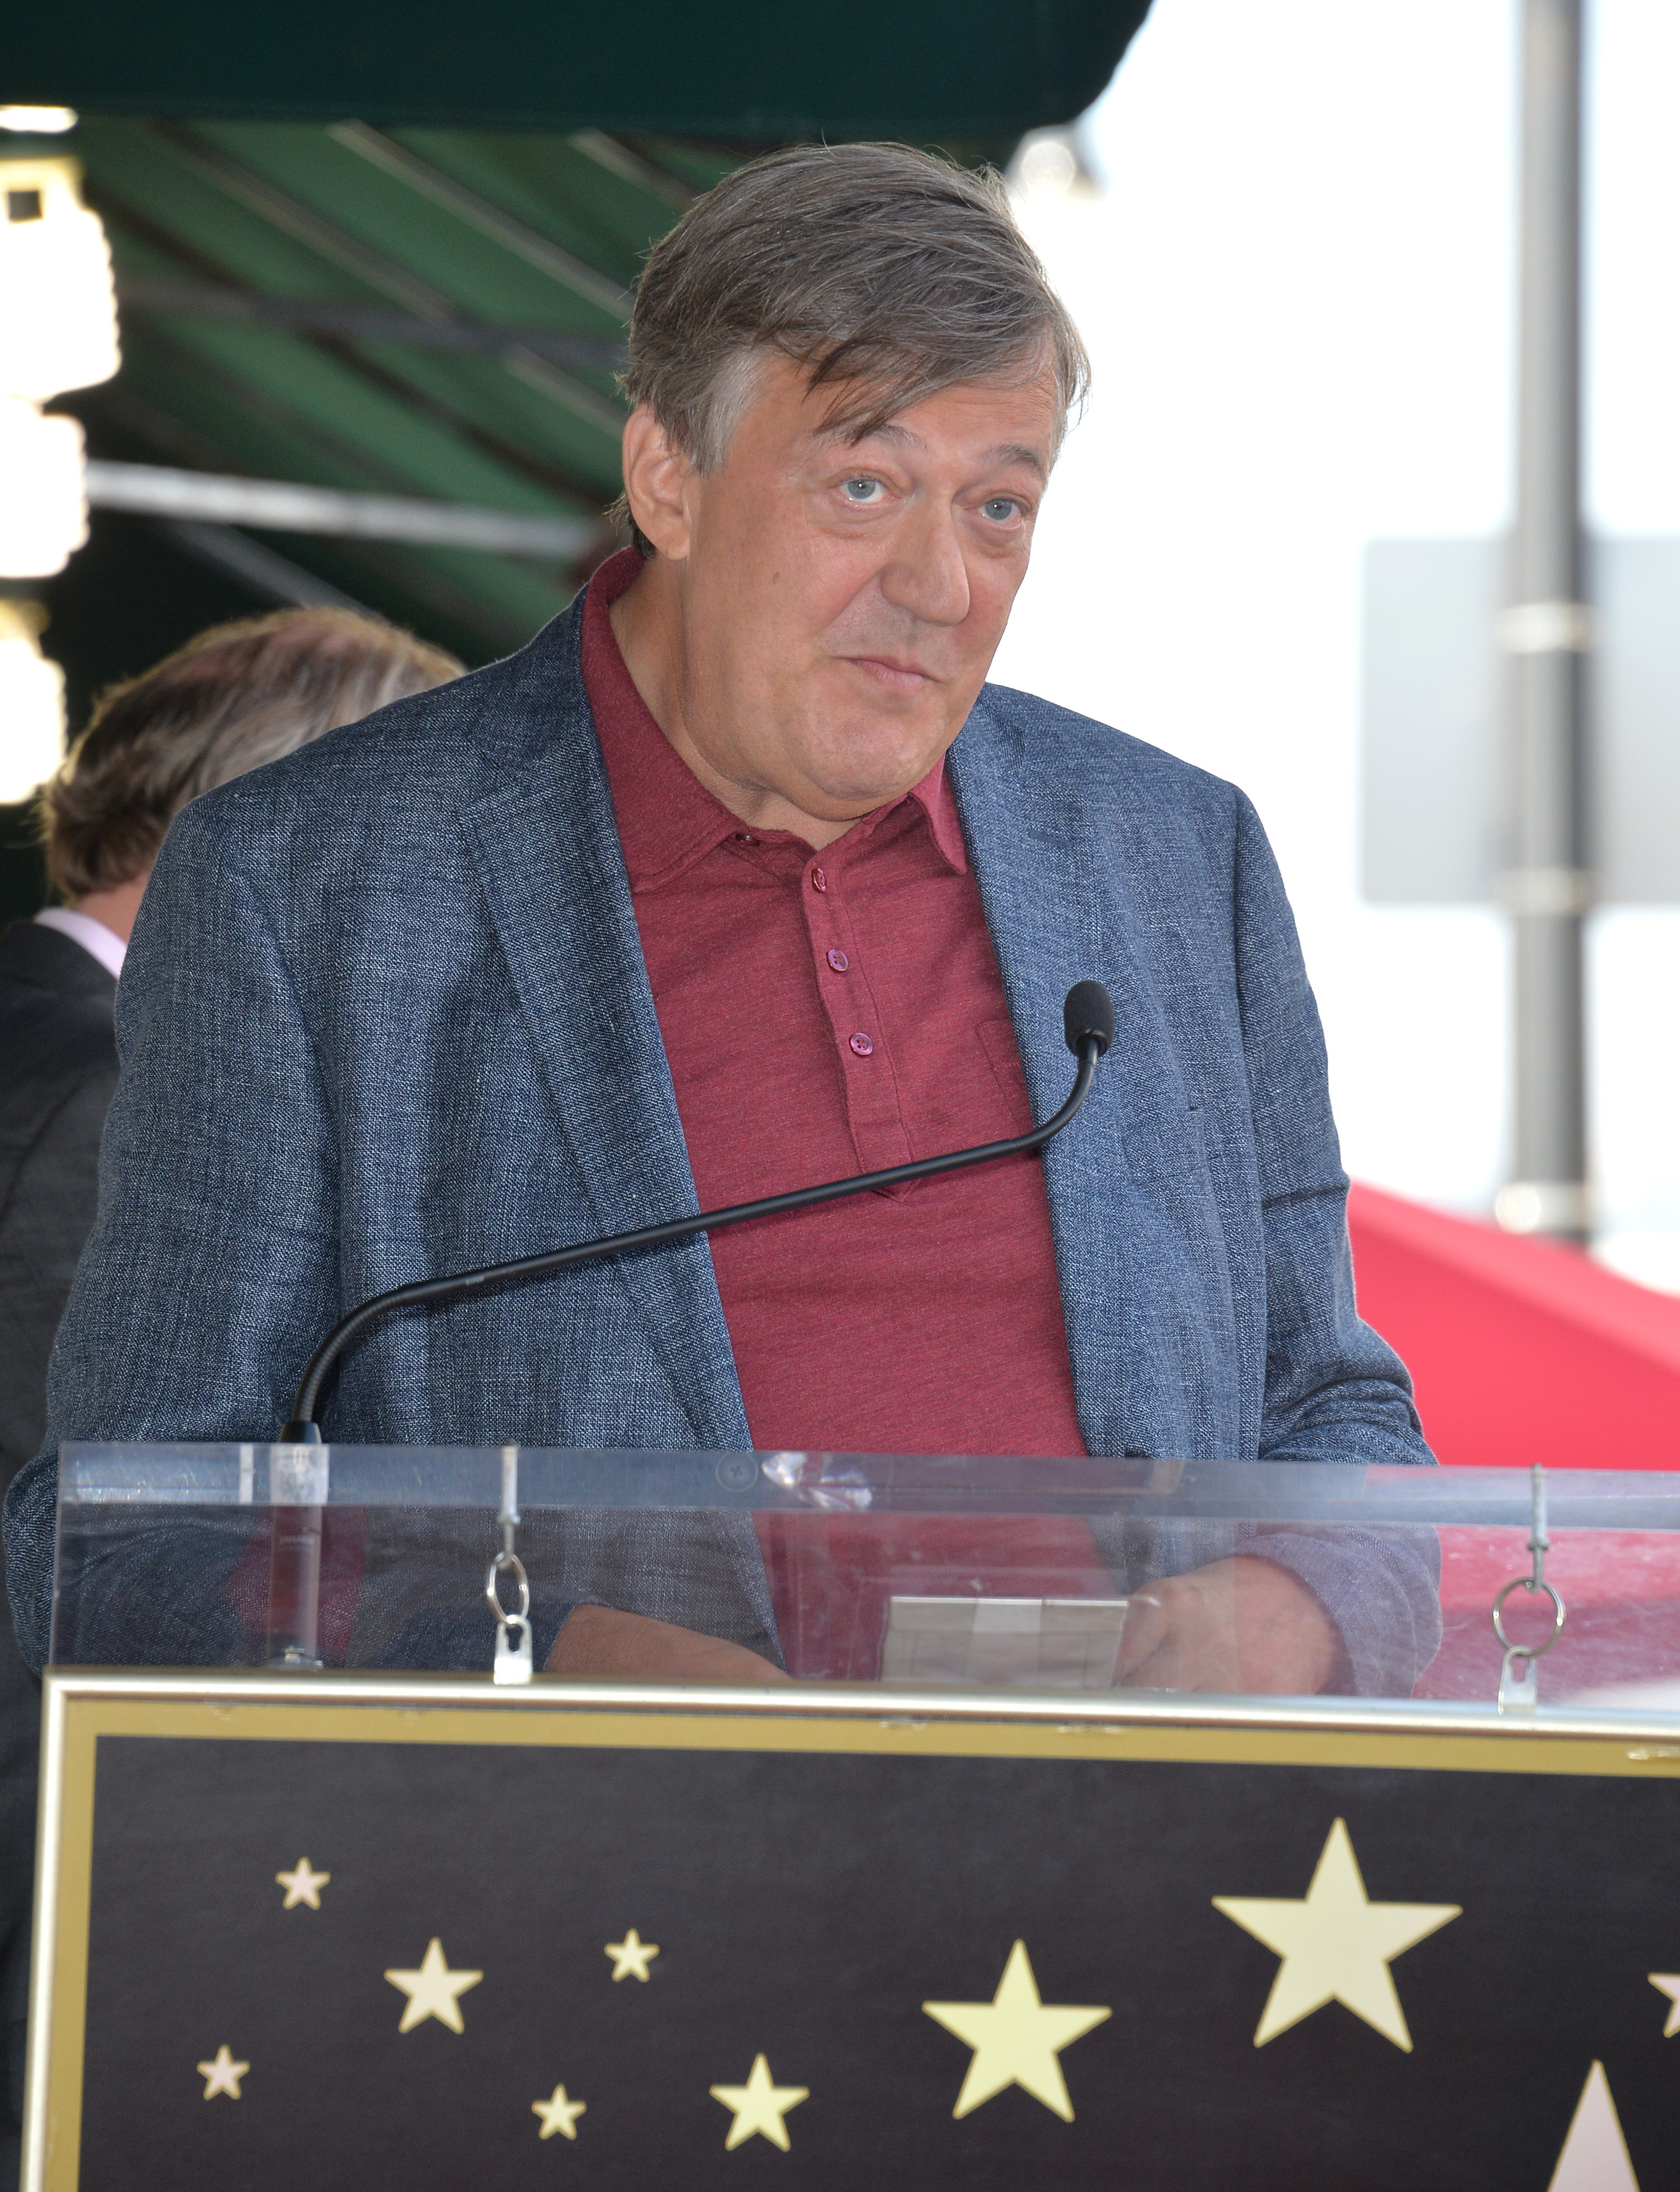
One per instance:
(1053, 163)
(32, 704)
(43, 501)
(57, 309)
(57, 331)
(38, 120)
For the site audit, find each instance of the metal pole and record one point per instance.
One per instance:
(1546, 632)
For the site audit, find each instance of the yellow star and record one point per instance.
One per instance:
(1336, 1945)
(432, 1990)
(302, 1886)
(222, 2075)
(1668, 1983)
(559, 2114)
(1016, 2039)
(630, 1957)
(759, 2106)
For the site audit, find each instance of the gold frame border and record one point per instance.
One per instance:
(80, 1706)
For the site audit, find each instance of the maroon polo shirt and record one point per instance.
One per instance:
(827, 1013)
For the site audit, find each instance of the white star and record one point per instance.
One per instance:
(1668, 1983)
(1595, 2156)
(432, 1990)
(1336, 1944)
(302, 1886)
(630, 1955)
(759, 2106)
(1016, 2039)
(559, 2114)
(223, 2076)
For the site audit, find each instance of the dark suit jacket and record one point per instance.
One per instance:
(59, 1050)
(58, 1068)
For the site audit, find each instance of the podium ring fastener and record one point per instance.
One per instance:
(516, 1566)
(1529, 1583)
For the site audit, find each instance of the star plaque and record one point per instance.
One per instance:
(434, 1990)
(302, 1886)
(1595, 2156)
(222, 2073)
(1336, 1944)
(759, 2106)
(1016, 2039)
(631, 1955)
(559, 2114)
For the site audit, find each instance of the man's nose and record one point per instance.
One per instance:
(927, 575)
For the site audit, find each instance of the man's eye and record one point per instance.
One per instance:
(862, 489)
(1001, 509)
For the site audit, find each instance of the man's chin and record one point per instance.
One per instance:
(849, 797)
(869, 758)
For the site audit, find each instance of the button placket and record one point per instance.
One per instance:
(874, 1112)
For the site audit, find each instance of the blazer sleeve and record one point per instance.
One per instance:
(210, 1272)
(1335, 1390)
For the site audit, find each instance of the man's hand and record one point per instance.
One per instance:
(598, 1639)
(1242, 1626)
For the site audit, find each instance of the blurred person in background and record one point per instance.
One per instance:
(228, 701)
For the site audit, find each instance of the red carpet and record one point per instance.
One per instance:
(1521, 1351)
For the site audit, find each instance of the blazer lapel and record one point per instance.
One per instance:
(1033, 843)
(546, 847)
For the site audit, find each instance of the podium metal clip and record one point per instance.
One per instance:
(513, 1661)
(1519, 1677)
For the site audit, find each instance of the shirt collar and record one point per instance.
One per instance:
(667, 819)
(105, 945)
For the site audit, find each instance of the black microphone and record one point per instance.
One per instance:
(1088, 1019)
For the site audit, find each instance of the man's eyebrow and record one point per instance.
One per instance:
(1017, 453)
(1005, 453)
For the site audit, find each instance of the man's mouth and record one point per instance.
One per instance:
(893, 675)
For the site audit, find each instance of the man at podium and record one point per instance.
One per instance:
(740, 876)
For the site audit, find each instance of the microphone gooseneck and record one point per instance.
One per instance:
(1087, 1019)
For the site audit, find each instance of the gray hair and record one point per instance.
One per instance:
(888, 273)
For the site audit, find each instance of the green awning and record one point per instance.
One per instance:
(760, 69)
(421, 312)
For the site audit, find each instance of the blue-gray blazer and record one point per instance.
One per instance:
(386, 1015)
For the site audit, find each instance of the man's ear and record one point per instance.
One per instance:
(657, 476)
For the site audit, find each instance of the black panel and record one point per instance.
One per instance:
(805, 1907)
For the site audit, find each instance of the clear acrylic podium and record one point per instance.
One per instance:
(920, 1771)
(944, 1573)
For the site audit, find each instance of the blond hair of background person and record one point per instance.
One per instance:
(229, 700)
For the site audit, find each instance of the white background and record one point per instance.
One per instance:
(1295, 284)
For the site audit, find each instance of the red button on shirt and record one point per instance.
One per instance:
(920, 1320)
